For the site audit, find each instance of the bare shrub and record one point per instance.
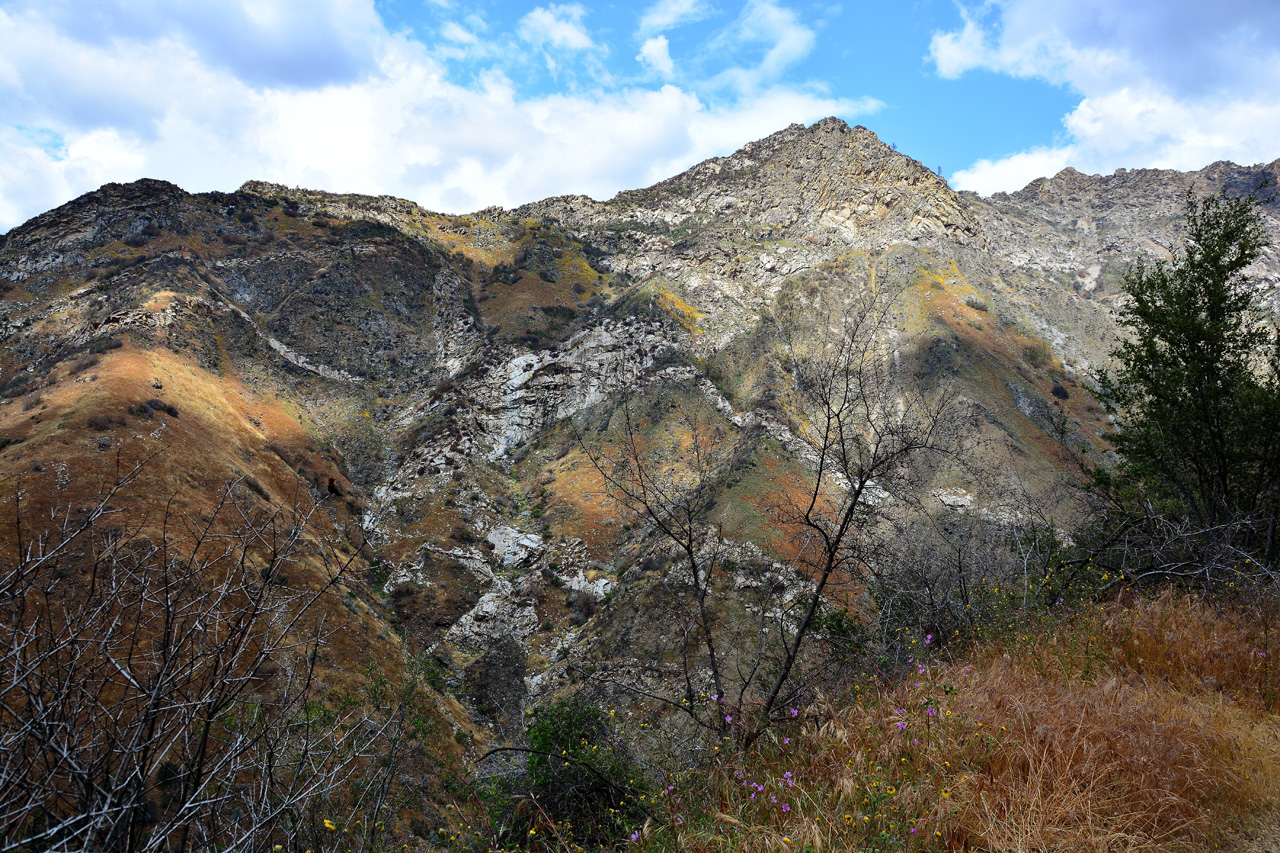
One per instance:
(153, 406)
(103, 422)
(161, 406)
(83, 363)
(585, 601)
(251, 483)
(160, 695)
(14, 385)
(868, 427)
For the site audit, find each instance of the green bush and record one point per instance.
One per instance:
(581, 771)
(582, 787)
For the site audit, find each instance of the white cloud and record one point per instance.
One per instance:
(558, 26)
(764, 23)
(655, 54)
(668, 14)
(1163, 83)
(265, 42)
(1011, 173)
(957, 52)
(455, 32)
(1152, 128)
(79, 110)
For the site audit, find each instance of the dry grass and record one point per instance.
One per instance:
(1146, 727)
(191, 459)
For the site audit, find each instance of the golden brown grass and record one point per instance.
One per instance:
(1129, 726)
(225, 430)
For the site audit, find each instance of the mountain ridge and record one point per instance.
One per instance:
(439, 366)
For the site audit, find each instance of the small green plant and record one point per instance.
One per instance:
(1037, 354)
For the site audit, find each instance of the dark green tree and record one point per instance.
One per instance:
(1197, 387)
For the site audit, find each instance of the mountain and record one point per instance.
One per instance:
(431, 377)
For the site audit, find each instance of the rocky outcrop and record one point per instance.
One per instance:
(730, 230)
(1088, 227)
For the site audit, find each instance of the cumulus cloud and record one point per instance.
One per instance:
(655, 54)
(557, 26)
(668, 14)
(1013, 172)
(1163, 83)
(266, 42)
(78, 109)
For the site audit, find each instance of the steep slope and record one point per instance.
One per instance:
(449, 372)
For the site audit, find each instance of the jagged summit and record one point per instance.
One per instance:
(829, 143)
(1168, 183)
(107, 213)
(816, 165)
(826, 184)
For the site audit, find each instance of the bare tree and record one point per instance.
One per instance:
(868, 425)
(863, 425)
(673, 486)
(160, 693)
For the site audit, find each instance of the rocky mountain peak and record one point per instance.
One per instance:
(111, 212)
(820, 163)
(800, 195)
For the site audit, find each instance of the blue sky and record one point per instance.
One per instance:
(462, 105)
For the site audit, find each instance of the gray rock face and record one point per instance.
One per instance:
(511, 546)
(409, 338)
(729, 231)
(496, 618)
